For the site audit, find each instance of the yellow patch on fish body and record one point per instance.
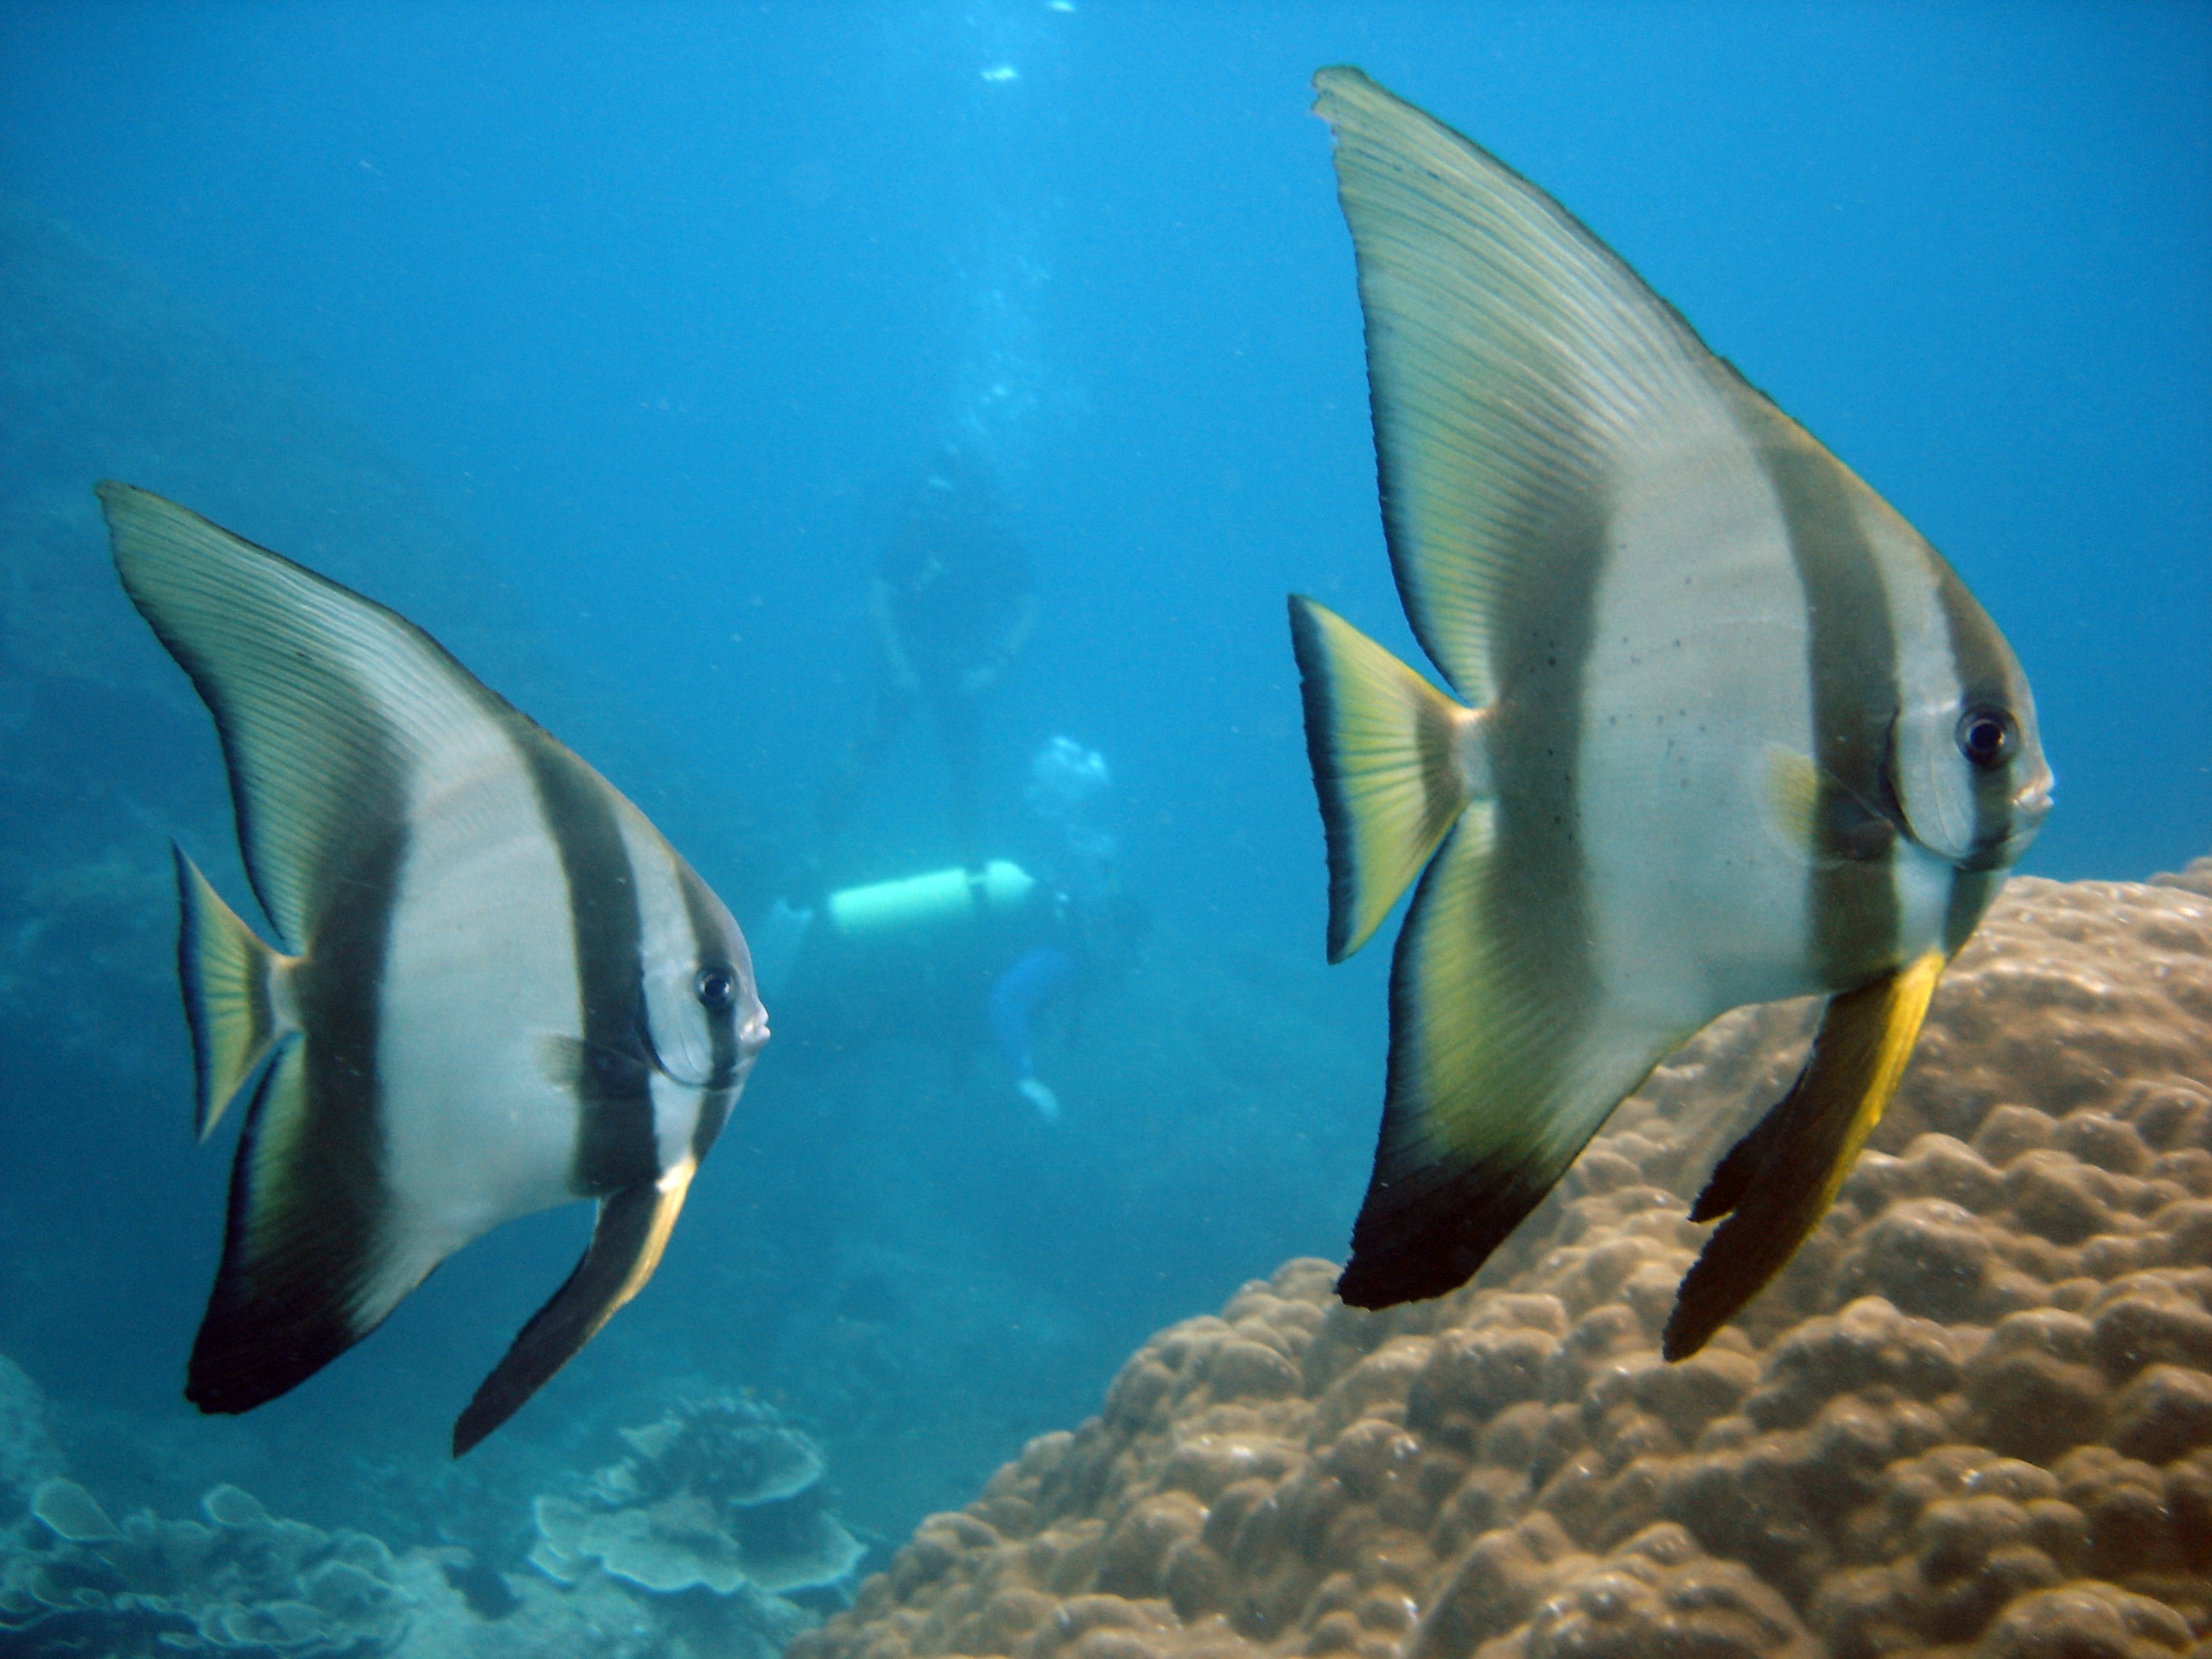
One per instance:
(1738, 732)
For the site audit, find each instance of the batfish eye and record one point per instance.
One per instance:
(715, 988)
(1987, 736)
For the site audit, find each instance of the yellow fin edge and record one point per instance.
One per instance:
(1806, 1145)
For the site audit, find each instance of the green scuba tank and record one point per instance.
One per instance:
(938, 899)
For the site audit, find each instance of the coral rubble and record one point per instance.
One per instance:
(1973, 1416)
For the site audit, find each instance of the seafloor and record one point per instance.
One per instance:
(1974, 1416)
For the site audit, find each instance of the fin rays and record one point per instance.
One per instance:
(1389, 757)
(229, 979)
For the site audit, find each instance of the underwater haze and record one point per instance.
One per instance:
(616, 346)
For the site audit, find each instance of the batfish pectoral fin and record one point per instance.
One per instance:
(570, 1063)
(627, 1241)
(1390, 763)
(234, 1004)
(1778, 1181)
(1499, 1074)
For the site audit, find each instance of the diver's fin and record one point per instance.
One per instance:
(1780, 1179)
(304, 1273)
(627, 1241)
(1393, 761)
(231, 993)
(1503, 1062)
(324, 699)
(1513, 362)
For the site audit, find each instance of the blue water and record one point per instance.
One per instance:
(605, 342)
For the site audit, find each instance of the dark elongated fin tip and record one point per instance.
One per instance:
(1416, 1240)
(296, 1251)
(1709, 1298)
(627, 1241)
(1732, 1176)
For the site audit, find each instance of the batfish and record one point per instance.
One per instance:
(499, 988)
(1728, 729)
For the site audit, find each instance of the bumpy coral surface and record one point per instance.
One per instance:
(1974, 1415)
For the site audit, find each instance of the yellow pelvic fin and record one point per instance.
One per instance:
(1779, 1180)
(627, 1242)
(234, 1002)
(1394, 760)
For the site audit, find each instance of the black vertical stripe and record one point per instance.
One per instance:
(1536, 897)
(710, 930)
(1852, 667)
(1437, 1204)
(1983, 665)
(302, 1237)
(615, 1144)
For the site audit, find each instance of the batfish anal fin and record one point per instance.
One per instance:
(236, 1002)
(301, 1279)
(1499, 1075)
(631, 1232)
(1779, 1189)
(1394, 763)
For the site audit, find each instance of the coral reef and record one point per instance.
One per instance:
(1973, 1416)
(719, 1492)
(721, 1496)
(659, 1585)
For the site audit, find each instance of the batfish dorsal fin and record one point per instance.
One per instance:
(1511, 358)
(1501, 1067)
(627, 1240)
(322, 698)
(1776, 1184)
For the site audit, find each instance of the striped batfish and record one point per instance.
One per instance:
(1732, 730)
(507, 992)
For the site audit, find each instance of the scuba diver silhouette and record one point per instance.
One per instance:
(950, 607)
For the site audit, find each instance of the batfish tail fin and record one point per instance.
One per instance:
(231, 1003)
(1391, 759)
(627, 1241)
(305, 1273)
(1778, 1181)
(1504, 1060)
